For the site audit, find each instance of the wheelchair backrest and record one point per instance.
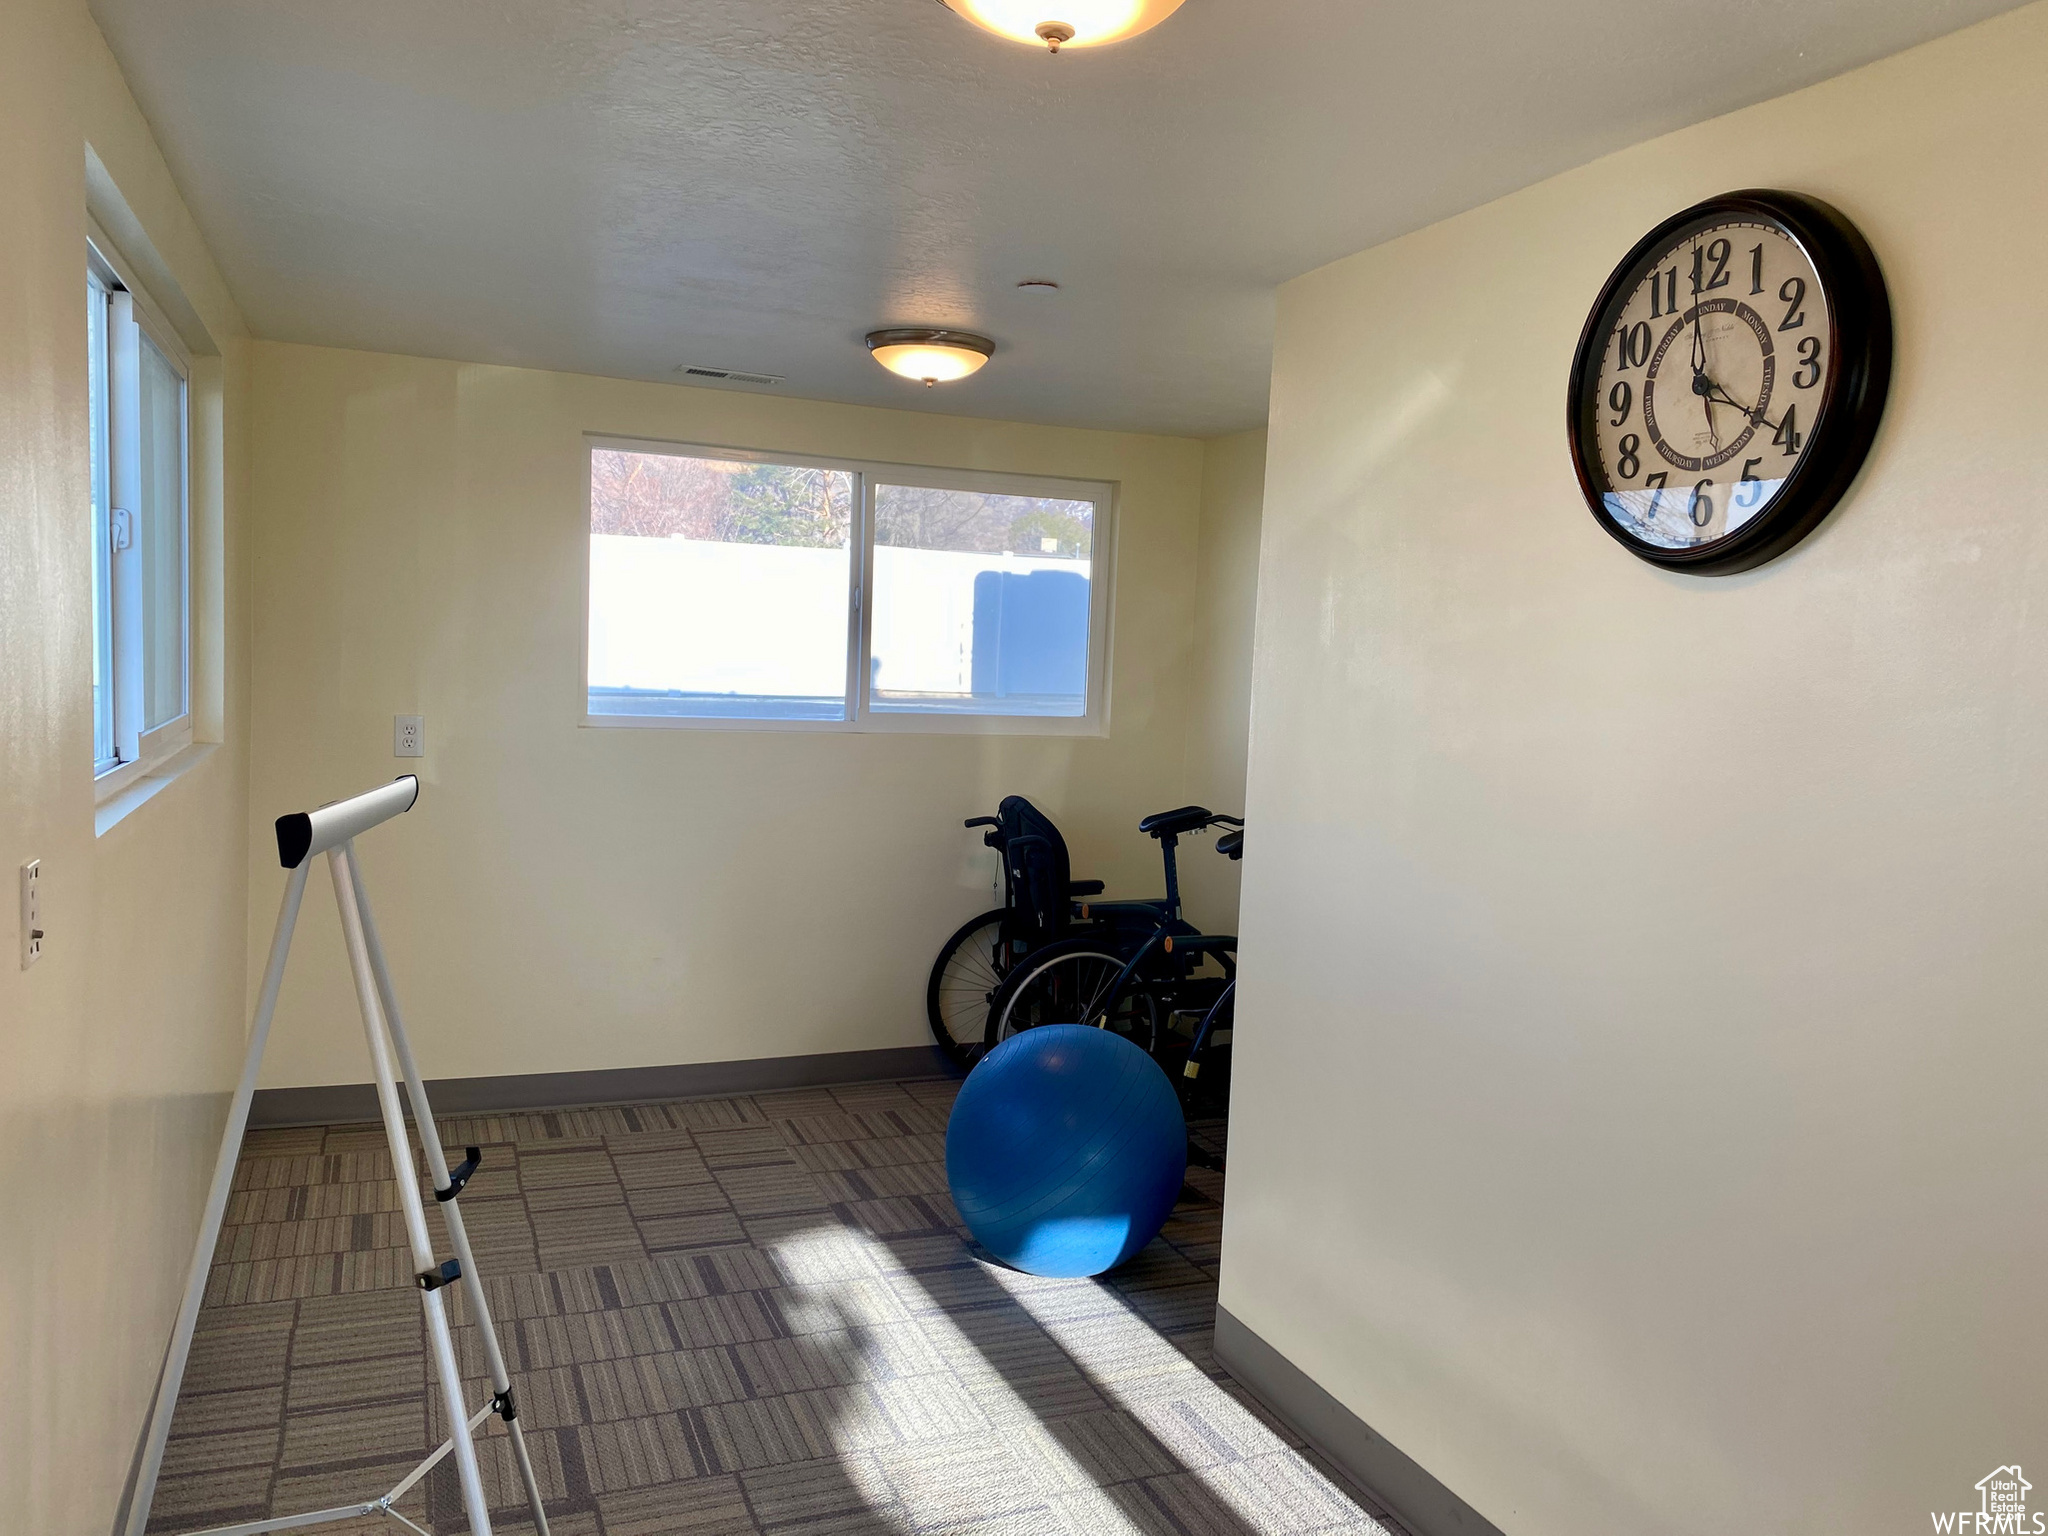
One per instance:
(1035, 856)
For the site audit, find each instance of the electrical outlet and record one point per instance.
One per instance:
(31, 913)
(408, 735)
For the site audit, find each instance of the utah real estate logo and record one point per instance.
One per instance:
(2002, 1511)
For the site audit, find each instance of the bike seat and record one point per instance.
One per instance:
(1172, 823)
(1231, 844)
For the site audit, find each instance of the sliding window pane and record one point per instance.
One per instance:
(718, 589)
(96, 322)
(982, 603)
(160, 534)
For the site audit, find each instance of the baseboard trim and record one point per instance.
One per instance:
(1418, 1500)
(342, 1103)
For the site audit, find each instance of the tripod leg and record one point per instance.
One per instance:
(451, 1208)
(340, 860)
(143, 1493)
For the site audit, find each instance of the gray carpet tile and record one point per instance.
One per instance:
(752, 1316)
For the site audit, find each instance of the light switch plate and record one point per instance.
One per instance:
(31, 913)
(408, 735)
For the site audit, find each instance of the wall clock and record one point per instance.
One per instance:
(1729, 381)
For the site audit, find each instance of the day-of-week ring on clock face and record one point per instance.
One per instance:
(1729, 381)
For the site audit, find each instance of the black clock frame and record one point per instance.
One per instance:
(1853, 395)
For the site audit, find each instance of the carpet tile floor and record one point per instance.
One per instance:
(724, 1316)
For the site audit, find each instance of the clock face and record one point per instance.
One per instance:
(1723, 393)
(1712, 383)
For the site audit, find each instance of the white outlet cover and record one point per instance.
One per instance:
(408, 735)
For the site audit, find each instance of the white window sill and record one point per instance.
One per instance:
(118, 806)
(871, 722)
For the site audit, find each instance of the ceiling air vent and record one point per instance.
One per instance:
(731, 375)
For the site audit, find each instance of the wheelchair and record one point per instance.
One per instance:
(1054, 954)
(1040, 898)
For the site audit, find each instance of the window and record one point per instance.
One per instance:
(141, 575)
(734, 588)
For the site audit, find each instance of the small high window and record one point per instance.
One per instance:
(141, 516)
(729, 587)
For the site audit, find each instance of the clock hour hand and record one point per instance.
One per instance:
(1714, 391)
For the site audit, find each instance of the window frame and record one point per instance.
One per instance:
(139, 751)
(868, 474)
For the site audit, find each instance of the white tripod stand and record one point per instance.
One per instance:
(331, 830)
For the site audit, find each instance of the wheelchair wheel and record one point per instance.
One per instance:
(1073, 983)
(964, 977)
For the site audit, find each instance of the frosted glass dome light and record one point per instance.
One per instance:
(1065, 23)
(930, 356)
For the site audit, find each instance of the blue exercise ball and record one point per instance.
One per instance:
(1066, 1150)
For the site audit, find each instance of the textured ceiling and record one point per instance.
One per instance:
(626, 187)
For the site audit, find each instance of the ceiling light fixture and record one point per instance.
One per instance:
(1065, 23)
(933, 357)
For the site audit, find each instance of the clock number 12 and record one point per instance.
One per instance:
(1717, 252)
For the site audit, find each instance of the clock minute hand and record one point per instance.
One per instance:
(1701, 384)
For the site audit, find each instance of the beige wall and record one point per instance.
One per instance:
(1233, 493)
(1641, 1058)
(568, 898)
(120, 1043)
